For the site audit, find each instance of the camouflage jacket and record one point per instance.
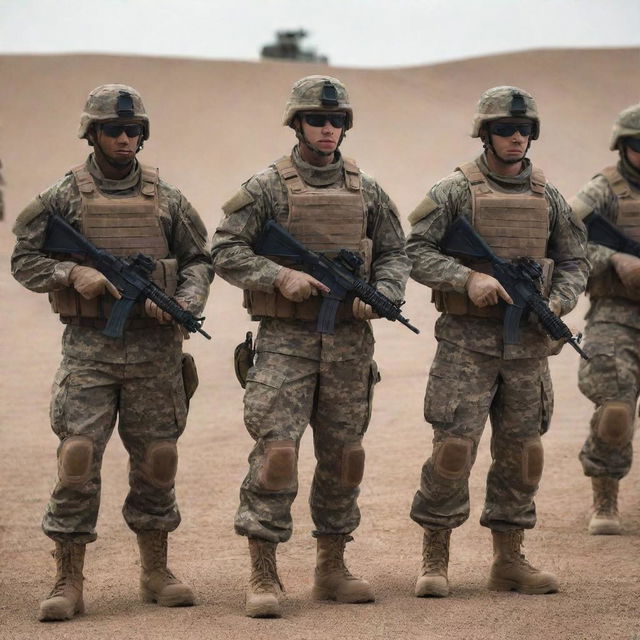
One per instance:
(597, 195)
(185, 232)
(264, 197)
(450, 198)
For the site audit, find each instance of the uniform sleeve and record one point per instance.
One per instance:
(31, 266)
(567, 247)
(448, 199)
(390, 265)
(189, 245)
(596, 196)
(245, 216)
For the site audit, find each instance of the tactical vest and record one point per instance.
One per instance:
(123, 226)
(323, 220)
(513, 225)
(608, 284)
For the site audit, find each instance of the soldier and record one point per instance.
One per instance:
(474, 374)
(611, 378)
(121, 206)
(301, 376)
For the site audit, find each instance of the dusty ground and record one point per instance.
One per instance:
(208, 152)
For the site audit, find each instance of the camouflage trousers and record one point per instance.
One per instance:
(148, 399)
(464, 388)
(301, 377)
(612, 374)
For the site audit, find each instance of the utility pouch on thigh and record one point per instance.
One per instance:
(189, 375)
(243, 359)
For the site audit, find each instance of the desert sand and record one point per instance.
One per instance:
(213, 124)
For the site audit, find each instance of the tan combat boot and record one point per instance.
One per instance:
(332, 579)
(157, 583)
(605, 519)
(433, 580)
(265, 589)
(65, 599)
(510, 570)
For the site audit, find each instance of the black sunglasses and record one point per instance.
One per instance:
(115, 130)
(506, 129)
(337, 120)
(633, 144)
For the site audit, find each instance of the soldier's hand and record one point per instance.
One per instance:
(298, 285)
(154, 311)
(362, 310)
(555, 306)
(90, 283)
(484, 290)
(628, 269)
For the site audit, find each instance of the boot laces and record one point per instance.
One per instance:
(66, 572)
(605, 501)
(264, 573)
(517, 542)
(335, 560)
(435, 556)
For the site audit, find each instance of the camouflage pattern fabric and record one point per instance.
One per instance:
(612, 373)
(612, 338)
(93, 385)
(149, 401)
(475, 375)
(464, 387)
(301, 376)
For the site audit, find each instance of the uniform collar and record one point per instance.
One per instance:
(318, 176)
(110, 186)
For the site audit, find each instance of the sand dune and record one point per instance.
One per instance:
(213, 124)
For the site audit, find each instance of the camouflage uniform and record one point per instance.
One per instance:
(137, 378)
(611, 377)
(474, 373)
(93, 385)
(301, 376)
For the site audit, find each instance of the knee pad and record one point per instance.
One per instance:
(74, 461)
(615, 423)
(352, 465)
(452, 457)
(532, 462)
(279, 465)
(161, 464)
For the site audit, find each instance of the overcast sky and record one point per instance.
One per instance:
(352, 33)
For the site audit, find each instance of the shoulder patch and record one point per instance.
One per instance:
(579, 207)
(422, 210)
(241, 199)
(29, 213)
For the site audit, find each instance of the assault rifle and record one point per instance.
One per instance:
(603, 232)
(130, 277)
(521, 278)
(339, 274)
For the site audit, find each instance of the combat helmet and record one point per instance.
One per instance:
(317, 93)
(627, 124)
(505, 102)
(110, 102)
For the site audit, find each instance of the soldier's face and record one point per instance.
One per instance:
(324, 137)
(513, 147)
(633, 156)
(119, 148)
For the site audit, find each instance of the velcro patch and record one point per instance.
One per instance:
(422, 210)
(579, 207)
(241, 199)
